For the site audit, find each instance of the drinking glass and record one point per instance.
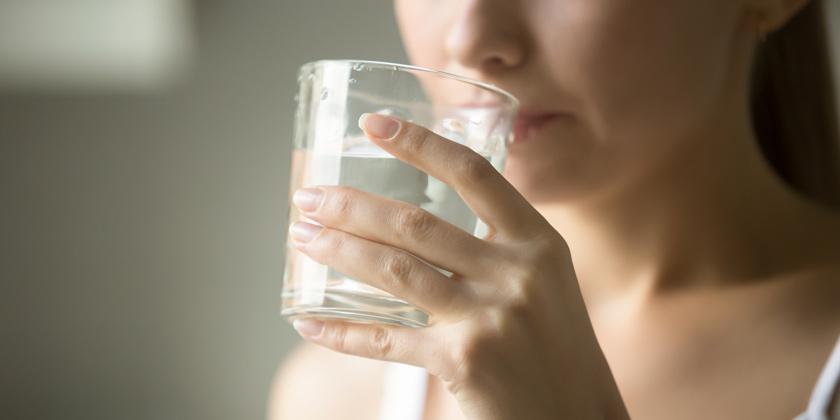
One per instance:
(330, 149)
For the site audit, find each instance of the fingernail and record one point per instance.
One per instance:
(379, 126)
(304, 232)
(308, 327)
(308, 199)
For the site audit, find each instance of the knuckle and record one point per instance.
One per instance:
(475, 168)
(381, 344)
(516, 314)
(452, 299)
(518, 277)
(338, 337)
(332, 240)
(398, 268)
(416, 139)
(523, 295)
(517, 287)
(341, 201)
(552, 249)
(329, 247)
(538, 256)
(414, 223)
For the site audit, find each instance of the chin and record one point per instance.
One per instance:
(551, 178)
(538, 185)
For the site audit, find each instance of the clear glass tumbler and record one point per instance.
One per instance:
(330, 149)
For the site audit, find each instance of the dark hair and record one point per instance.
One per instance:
(793, 105)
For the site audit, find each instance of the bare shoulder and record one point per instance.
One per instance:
(317, 383)
(817, 274)
(826, 251)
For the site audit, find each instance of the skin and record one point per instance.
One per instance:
(646, 261)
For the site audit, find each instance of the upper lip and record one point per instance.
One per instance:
(533, 114)
(524, 114)
(529, 117)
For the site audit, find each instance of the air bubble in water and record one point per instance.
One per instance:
(358, 66)
(352, 81)
(393, 112)
(324, 93)
(453, 125)
(394, 68)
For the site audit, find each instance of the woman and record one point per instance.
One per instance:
(647, 261)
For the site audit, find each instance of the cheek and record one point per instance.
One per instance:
(642, 74)
(641, 69)
(423, 28)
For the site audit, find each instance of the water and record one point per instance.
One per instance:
(395, 112)
(453, 125)
(311, 288)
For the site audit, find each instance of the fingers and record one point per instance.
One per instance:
(400, 225)
(396, 344)
(483, 188)
(392, 270)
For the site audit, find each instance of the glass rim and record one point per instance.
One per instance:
(493, 88)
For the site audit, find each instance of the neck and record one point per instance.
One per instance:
(720, 215)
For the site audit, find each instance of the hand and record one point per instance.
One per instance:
(509, 333)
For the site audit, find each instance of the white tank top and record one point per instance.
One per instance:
(405, 392)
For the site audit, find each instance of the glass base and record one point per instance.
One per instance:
(357, 307)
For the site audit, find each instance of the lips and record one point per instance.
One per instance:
(528, 124)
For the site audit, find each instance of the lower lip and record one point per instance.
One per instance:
(525, 130)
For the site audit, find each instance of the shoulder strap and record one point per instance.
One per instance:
(404, 392)
(825, 389)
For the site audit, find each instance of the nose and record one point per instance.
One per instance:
(487, 36)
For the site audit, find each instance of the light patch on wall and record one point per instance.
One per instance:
(93, 44)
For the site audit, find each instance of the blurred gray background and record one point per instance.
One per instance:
(144, 207)
(144, 152)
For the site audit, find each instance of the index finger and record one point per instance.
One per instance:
(493, 199)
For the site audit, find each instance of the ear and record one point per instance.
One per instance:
(771, 15)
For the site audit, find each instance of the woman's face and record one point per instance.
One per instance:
(610, 89)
